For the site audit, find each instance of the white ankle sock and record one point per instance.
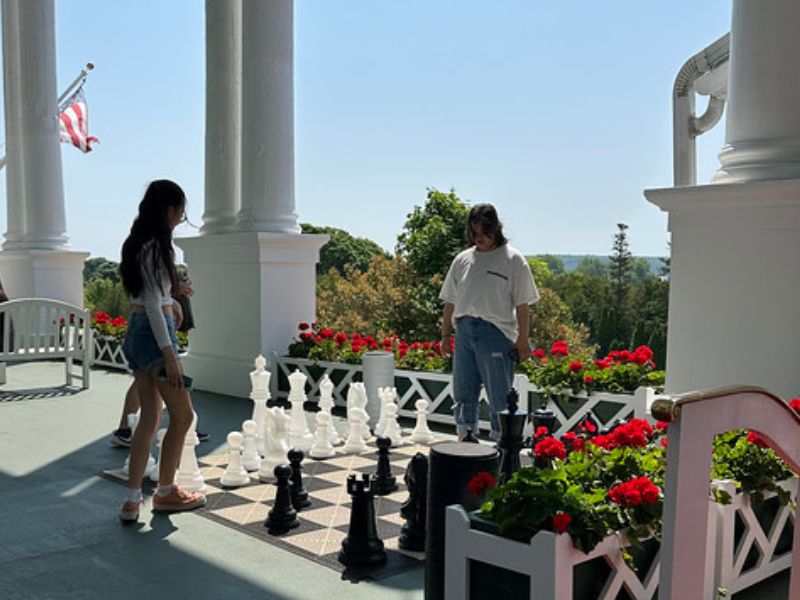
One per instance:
(164, 490)
(134, 495)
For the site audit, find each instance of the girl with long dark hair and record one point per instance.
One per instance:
(151, 348)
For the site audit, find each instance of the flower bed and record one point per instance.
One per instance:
(604, 491)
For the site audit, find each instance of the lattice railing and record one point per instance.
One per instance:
(108, 353)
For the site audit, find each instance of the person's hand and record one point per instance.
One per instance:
(177, 313)
(185, 289)
(174, 372)
(523, 348)
(445, 349)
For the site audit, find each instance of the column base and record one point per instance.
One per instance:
(56, 274)
(251, 291)
(734, 284)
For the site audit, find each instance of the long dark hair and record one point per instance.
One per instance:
(485, 216)
(151, 225)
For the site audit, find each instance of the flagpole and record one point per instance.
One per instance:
(77, 82)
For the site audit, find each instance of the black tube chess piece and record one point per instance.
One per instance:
(384, 482)
(362, 547)
(415, 509)
(283, 516)
(512, 424)
(469, 438)
(299, 493)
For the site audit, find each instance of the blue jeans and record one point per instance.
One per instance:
(140, 347)
(481, 357)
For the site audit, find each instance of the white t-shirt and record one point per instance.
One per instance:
(490, 285)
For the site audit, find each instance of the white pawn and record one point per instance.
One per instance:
(160, 443)
(355, 443)
(235, 474)
(392, 430)
(189, 476)
(386, 395)
(276, 447)
(259, 394)
(300, 436)
(251, 459)
(326, 405)
(422, 433)
(322, 447)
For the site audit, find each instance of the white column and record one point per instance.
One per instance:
(15, 199)
(45, 220)
(762, 139)
(268, 118)
(223, 114)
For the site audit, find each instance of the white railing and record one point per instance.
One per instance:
(108, 353)
(437, 389)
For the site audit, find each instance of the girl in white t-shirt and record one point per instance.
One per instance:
(487, 294)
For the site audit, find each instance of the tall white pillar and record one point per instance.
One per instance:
(15, 198)
(35, 261)
(223, 114)
(268, 117)
(734, 279)
(762, 137)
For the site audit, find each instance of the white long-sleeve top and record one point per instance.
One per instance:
(153, 297)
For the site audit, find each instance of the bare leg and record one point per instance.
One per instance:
(148, 421)
(131, 405)
(181, 414)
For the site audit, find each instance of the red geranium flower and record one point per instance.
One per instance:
(756, 439)
(550, 448)
(639, 490)
(588, 379)
(119, 322)
(575, 365)
(541, 431)
(561, 521)
(539, 353)
(481, 483)
(303, 326)
(795, 404)
(559, 348)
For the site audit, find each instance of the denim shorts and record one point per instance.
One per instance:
(140, 347)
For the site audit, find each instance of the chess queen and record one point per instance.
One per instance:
(151, 347)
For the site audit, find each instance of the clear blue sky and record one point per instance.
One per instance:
(559, 113)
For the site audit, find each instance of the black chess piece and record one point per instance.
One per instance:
(362, 546)
(512, 424)
(384, 482)
(469, 438)
(283, 516)
(299, 494)
(415, 509)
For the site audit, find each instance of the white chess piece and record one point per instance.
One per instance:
(235, 474)
(133, 422)
(322, 447)
(259, 394)
(276, 447)
(386, 395)
(361, 402)
(326, 406)
(160, 444)
(299, 435)
(422, 433)
(251, 459)
(189, 476)
(392, 430)
(355, 443)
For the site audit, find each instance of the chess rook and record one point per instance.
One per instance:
(392, 430)
(362, 546)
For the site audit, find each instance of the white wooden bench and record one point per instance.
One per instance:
(45, 329)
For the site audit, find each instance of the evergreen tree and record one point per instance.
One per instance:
(621, 276)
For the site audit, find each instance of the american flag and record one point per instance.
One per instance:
(74, 122)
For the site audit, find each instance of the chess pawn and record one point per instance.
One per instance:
(322, 447)
(189, 476)
(355, 443)
(259, 394)
(276, 446)
(299, 435)
(235, 474)
(392, 430)
(298, 492)
(251, 460)
(384, 482)
(154, 474)
(283, 516)
(422, 433)
(326, 406)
